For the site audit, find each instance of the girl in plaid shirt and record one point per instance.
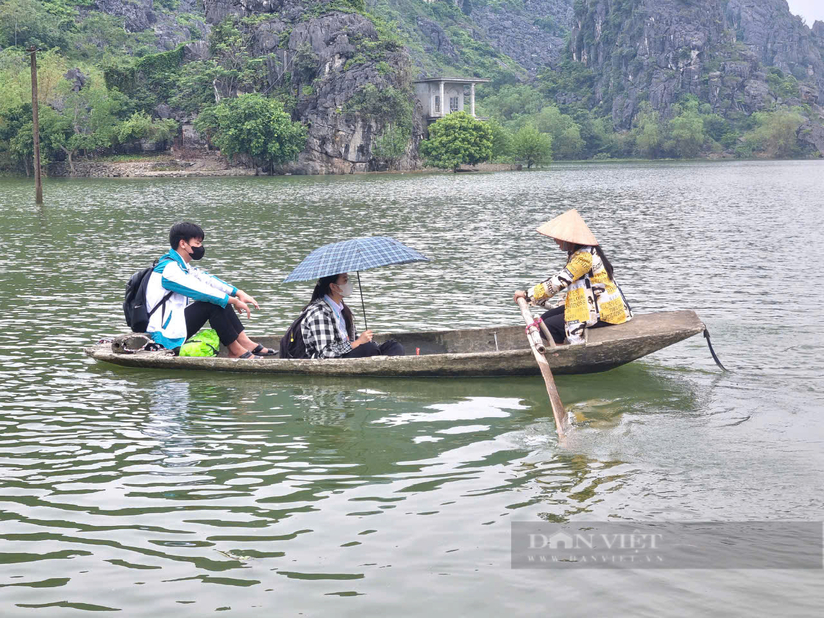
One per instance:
(328, 328)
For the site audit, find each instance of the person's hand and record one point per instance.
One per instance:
(519, 294)
(365, 337)
(246, 298)
(240, 306)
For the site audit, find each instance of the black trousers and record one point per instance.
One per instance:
(222, 319)
(554, 319)
(388, 348)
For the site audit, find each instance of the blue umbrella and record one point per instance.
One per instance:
(357, 254)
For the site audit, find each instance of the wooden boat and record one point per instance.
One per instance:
(500, 351)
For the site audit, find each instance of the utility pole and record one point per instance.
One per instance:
(38, 183)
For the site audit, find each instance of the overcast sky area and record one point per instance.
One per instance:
(810, 10)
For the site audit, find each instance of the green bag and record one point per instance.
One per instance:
(203, 343)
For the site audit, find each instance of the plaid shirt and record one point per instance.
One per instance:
(321, 334)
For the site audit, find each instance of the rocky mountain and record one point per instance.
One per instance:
(157, 16)
(530, 33)
(335, 53)
(740, 56)
(533, 34)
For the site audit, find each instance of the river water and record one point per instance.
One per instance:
(157, 491)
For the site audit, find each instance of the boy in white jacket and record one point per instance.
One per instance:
(191, 296)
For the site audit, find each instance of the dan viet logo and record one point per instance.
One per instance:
(560, 540)
(668, 545)
(595, 547)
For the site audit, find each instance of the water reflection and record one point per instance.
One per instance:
(168, 418)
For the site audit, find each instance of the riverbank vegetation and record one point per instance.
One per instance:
(692, 130)
(105, 91)
(78, 113)
(457, 139)
(108, 90)
(253, 125)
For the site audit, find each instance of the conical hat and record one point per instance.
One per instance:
(569, 227)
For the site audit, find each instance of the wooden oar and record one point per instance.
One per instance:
(537, 345)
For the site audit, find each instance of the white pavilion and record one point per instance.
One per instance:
(443, 95)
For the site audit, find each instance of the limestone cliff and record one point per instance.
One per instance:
(324, 53)
(142, 15)
(505, 39)
(740, 56)
(533, 36)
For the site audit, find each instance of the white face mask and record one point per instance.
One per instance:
(346, 289)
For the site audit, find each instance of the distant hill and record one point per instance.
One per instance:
(607, 78)
(740, 56)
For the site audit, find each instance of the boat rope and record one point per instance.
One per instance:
(534, 324)
(712, 353)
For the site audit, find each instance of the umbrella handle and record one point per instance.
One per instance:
(361, 292)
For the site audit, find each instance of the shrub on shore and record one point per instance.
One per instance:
(457, 139)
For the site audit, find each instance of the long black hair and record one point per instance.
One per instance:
(573, 247)
(322, 289)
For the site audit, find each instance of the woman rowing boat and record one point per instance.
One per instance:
(593, 296)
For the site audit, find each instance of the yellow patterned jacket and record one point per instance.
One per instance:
(591, 294)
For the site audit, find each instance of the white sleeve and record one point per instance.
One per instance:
(175, 280)
(213, 281)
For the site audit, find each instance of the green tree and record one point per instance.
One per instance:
(775, 133)
(27, 22)
(391, 146)
(601, 141)
(12, 118)
(502, 142)
(88, 120)
(457, 139)
(511, 102)
(532, 147)
(148, 80)
(647, 132)
(234, 67)
(783, 86)
(304, 65)
(195, 88)
(20, 145)
(565, 133)
(391, 110)
(254, 125)
(569, 80)
(687, 129)
(570, 144)
(16, 83)
(100, 35)
(590, 133)
(715, 126)
(385, 105)
(140, 126)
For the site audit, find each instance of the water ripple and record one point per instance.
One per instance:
(151, 491)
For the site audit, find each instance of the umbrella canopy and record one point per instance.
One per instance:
(356, 254)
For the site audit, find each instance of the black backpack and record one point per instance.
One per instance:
(292, 343)
(134, 303)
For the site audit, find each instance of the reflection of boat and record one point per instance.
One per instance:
(476, 352)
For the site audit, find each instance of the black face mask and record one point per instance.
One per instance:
(197, 252)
